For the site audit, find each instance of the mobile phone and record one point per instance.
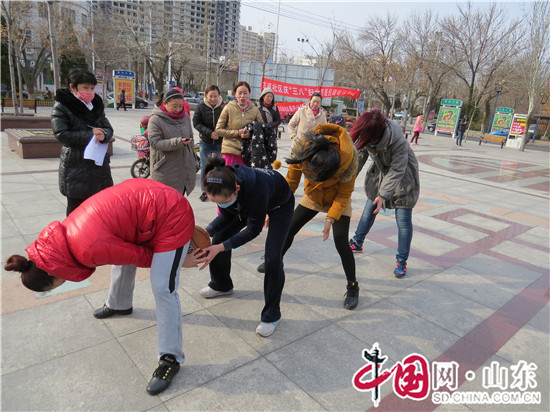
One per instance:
(186, 139)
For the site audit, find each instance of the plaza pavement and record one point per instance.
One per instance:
(476, 294)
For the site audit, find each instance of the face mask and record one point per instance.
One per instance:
(226, 205)
(85, 96)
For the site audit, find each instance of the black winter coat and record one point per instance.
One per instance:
(204, 121)
(72, 124)
(261, 191)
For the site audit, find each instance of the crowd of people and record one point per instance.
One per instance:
(149, 223)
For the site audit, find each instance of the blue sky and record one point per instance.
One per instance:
(310, 19)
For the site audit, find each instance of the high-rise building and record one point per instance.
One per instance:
(255, 46)
(209, 25)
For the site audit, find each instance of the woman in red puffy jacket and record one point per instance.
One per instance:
(137, 223)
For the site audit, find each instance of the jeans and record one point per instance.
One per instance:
(165, 273)
(403, 218)
(205, 150)
(459, 137)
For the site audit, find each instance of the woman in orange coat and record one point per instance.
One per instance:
(328, 160)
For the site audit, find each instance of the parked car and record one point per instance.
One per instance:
(193, 102)
(140, 103)
(501, 132)
(7, 94)
(398, 115)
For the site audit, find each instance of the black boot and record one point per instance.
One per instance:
(163, 375)
(352, 296)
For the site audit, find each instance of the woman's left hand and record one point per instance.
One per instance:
(194, 259)
(326, 230)
(211, 252)
(245, 135)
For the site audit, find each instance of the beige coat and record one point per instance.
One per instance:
(172, 161)
(231, 121)
(305, 121)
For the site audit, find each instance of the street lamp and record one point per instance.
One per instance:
(300, 40)
(498, 90)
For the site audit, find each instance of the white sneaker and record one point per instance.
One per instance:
(266, 329)
(209, 293)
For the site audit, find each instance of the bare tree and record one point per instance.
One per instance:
(13, 14)
(422, 42)
(373, 56)
(536, 59)
(483, 40)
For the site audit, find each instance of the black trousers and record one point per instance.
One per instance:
(274, 279)
(340, 232)
(72, 204)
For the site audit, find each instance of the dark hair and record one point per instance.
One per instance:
(245, 84)
(81, 76)
(32, 277)
(316, 94)
(318, 156)
(368, 128)
(219, 179)
(169, 95)
(212, 88)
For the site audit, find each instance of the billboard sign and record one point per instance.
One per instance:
(517, 129)
(502, 119)
(124, 79)
(448, 119)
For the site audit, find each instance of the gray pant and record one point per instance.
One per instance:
(165, 273)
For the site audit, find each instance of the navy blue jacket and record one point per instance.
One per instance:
(261, 190)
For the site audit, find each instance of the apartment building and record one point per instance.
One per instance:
(255, 46)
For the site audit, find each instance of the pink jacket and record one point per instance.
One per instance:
(418, 124)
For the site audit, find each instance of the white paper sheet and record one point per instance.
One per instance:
(95, 151)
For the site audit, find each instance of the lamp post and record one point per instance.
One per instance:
(543, 101)
(498, 90)
(300, 40)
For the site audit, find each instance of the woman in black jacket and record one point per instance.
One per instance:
(204, 121)
(78, 114)
(269, 110)
(245, 197)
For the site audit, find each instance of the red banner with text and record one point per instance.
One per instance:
(289, 107)
(305, 92)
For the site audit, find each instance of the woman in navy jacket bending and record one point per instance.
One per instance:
(245, 197)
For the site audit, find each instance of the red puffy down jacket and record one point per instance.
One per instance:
(122, 225)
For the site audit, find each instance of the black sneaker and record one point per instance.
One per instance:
(106, 312)
(163, 375)
(352, 296)
(261, 267)
(203, 197)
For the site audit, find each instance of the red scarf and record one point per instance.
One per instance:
(173, 116)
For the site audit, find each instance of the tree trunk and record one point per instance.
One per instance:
(11, 64)
(53, 41)
(20, 80)
(525, 136)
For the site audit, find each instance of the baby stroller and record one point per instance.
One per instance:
(141, 167)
